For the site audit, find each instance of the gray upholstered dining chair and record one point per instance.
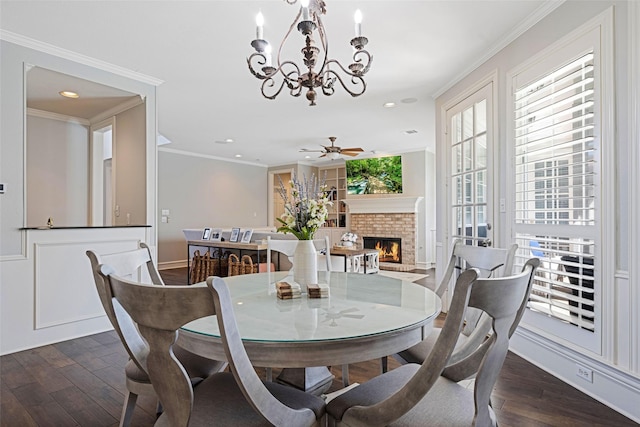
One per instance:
(429, 394)
(226, 398)
(135, 264)
(490, 262)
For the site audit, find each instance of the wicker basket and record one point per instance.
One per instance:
(202, 266)
(239, 266)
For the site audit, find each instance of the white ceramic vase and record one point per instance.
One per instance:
(305, 263)
(347, 244)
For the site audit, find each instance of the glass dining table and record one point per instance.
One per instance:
(365, 317)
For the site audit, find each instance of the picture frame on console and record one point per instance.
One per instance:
(235, 233)
(216, 235)
(246, 236)
(206, 234)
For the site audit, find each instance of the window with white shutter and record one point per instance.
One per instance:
(556, 168)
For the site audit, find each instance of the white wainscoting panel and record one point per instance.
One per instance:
(64, 285)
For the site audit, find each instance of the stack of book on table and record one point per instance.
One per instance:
(287, 290)
(318, 291)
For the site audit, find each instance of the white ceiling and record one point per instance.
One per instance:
(199, 50)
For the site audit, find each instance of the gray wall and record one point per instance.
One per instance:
(57, 172)
(129, 166)
(204, 192)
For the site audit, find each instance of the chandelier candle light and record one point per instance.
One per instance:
(288, 73)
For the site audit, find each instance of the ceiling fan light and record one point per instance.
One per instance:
(333, 156)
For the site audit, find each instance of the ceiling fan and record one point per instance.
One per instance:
(333, 151)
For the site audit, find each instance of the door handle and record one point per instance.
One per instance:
(485, 243)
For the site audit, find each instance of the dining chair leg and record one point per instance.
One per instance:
(127, 409)
(345, 375)
(384, 362)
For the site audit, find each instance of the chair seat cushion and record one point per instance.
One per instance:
(218, 401)
(447, 403)
(136, 374)
(196, 366)
(372, 391)
(419, 352)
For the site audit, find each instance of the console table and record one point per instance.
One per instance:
(239, 248)
(366, 260)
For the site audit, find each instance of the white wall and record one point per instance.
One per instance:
(616, 371)
(57, 172)
(205, 192)
(35, 262)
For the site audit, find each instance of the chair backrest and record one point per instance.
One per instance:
(126, 264)
(288, 248)
(489, 261)
(501, 299)
(160, 311)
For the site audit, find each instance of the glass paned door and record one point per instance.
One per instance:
(468, 138)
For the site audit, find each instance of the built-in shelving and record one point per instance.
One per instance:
(337, 221)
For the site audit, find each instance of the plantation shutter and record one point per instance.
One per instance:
(555, 188)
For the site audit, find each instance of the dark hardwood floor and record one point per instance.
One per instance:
(81, 383)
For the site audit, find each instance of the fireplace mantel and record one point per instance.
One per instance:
(375, 205)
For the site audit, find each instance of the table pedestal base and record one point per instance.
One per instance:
(315, 380)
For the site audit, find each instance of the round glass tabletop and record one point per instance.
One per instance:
(358, 305)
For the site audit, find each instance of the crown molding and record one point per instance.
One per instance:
(76, 57)
(544, 10)
(207, 156)
(55, 116)
(372, 205)
(126, 105)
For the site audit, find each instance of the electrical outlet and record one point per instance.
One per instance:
(584, 373)
(166, 212)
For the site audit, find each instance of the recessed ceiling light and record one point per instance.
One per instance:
(224, 141)
(389, 104)
(228, 140)
(69, 94)
(409, 100)
(238, 155)
(307, 157)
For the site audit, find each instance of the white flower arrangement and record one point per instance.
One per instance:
(349, 237)
(305, 208)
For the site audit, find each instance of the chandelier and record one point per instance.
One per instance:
(287, 73)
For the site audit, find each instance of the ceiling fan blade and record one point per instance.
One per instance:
(358, 149)
(306, 150)
(350, 153)
(324, 155)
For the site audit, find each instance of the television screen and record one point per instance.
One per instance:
(380, 175)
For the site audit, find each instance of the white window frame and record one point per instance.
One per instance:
(597, 34)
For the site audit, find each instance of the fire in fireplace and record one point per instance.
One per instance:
(389, 248)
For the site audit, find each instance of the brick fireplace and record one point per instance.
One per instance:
(389, 217)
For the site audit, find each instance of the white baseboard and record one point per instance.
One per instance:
(615, 388)
(172, 264)
(424, 265)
